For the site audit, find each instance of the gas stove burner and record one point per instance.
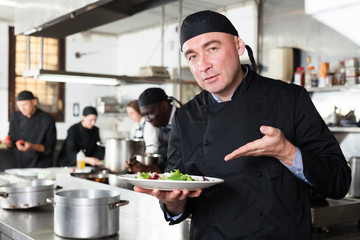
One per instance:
(96, 177)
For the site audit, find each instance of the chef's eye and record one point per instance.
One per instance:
(212, 49)
(191, 57)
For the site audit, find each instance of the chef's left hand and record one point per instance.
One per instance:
(174, 200)
(273, 144)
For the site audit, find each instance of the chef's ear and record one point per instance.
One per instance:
(35, 101)
(240, 45)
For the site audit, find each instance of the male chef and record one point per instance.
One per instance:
(158, 109)
(32, 133)
(262, 136)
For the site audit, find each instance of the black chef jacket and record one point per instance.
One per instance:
(38, 129)
(260, 198)
(164, 134)
(80, 138)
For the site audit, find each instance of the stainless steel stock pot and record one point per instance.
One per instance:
(87, 213)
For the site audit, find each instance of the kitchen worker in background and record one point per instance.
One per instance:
(32, 132)
(159, 110)
(264, 137)
(82, 136)
(142, 130)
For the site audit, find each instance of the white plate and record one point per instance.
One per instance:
(169, 185)
(24, 172)
(87, 169)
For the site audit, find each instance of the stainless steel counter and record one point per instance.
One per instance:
(143, 219)
(140, 219)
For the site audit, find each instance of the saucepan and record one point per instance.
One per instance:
(354, 190)
(86, 213)
(26, 194)
(148, 159)
(119, 151)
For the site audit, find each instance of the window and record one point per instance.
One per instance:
(50, 95)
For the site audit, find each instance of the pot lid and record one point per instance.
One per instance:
(28, 186)
(86, 197)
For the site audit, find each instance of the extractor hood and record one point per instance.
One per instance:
(82, 19)
(342, 16)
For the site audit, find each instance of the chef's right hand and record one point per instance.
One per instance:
(92, 161)
(174, 200)
(135, 166)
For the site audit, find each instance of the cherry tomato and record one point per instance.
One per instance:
(7, 138)
(20, 142)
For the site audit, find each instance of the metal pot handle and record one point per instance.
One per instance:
(112, 206)
(57, 187)
(50, 200)
(4, 194)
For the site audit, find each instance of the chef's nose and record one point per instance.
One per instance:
(203, 63)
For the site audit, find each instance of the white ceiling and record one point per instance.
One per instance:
(144, 19)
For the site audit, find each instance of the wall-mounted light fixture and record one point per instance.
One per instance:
(72, 77)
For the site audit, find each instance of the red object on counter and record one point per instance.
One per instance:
(299, 76)
(20, 142)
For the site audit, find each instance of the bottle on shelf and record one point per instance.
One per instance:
(314, 79)
(340, 75)
(324, 69)
(309, 75)
(299, 76)
(330, 79)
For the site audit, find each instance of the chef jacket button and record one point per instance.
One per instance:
(206, 142)
(260, 213)
(258, 174)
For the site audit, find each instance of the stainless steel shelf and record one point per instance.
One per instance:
(333, 88)
(345, 129)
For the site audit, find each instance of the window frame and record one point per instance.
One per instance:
(59, 116)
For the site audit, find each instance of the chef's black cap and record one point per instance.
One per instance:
(152, 95)
(204, 22)
(25, 95)
(89, 110)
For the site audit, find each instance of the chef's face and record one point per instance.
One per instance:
(89, 121)
(27, 107)
(214, 61)
(133, 114)
(157, 114)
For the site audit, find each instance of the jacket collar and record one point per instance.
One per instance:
(243, 85)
